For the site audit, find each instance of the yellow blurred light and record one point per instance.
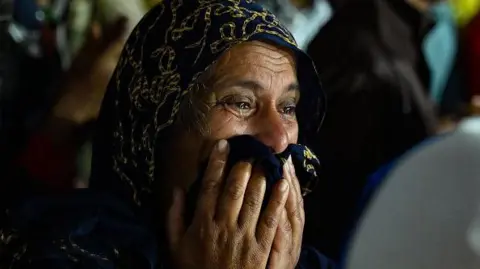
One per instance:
(465, 10)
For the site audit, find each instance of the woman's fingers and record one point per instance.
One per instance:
(294, 203)
(298, 190)
(252, 201)
(283, 234)
(212, 182)
(271, 217)
(232, 197)
(175, 221)
(293, 175)
(295, 211)
(282, 245)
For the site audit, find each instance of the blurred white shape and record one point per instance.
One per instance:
(471, 126)
(133, 10)
(29, 39)
(306, 24)
(473, 236)
(80, 17)
(425, 216)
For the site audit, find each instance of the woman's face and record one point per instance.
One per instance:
(253, 91)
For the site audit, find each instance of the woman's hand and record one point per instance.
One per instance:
(287, 244)
(228, 230)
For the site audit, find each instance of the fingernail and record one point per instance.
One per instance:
(290, 164)
(222, 145)
(283, 185)
(287, 165)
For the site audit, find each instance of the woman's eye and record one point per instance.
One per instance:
(289, 110)
(239, 105)
(243, 105)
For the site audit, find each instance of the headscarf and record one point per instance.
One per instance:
(161, 63)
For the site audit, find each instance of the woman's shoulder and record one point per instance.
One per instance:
(81, 229)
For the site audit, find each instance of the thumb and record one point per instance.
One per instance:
(175, 221)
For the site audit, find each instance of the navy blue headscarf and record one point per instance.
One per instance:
(165, 55)
(105, 226)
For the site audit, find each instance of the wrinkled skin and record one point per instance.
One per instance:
(253, 91)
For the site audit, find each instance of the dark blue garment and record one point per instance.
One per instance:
(25, 13)
(87, 230)
(310, 258)
(78, 229)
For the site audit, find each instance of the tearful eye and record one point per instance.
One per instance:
(243, 105)
(290, 110)
(239, 105)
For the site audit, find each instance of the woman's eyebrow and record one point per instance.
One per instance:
(293, 87)
(256, 86)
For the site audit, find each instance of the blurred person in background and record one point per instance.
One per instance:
(32, 73)
(64, 53)
(377, 81)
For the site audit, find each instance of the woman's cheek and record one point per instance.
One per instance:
(292, 129)
(224, 125)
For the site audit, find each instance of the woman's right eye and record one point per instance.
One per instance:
(238, 105)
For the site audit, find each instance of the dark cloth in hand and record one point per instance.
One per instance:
(247, 148)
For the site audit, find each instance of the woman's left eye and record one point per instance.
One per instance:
(289, 110)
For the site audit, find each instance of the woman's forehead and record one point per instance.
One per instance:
(254, 51)
(250, 56)
(255, 63)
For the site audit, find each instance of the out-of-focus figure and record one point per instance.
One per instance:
(377, 81)
(61, 54)
(426, 213)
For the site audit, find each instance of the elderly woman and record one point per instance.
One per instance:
(199, 84)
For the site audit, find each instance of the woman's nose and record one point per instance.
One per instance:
(271, 131)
